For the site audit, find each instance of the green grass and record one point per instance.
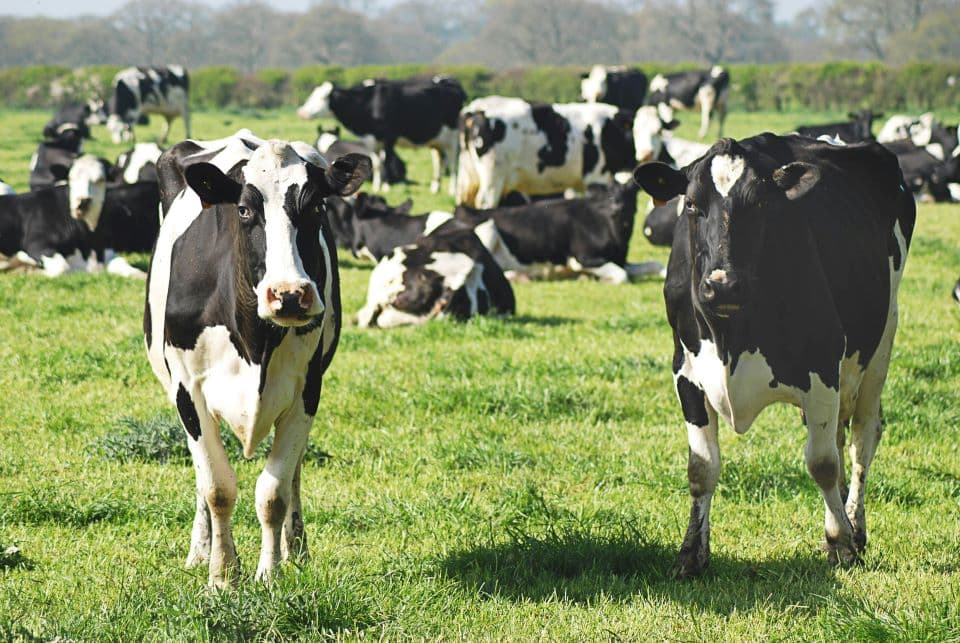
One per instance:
(521, 478)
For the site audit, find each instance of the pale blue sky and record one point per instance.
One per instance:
(66, 8)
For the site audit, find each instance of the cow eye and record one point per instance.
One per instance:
(694, 210)
(243, 211)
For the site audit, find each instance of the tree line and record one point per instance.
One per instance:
(498, 34)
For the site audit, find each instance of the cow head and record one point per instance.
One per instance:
(593, 86)
(87, 187)
(120, 130)
(326, 137)
(277, 202)
(318, 103)
(728, 198)
(96, 112)
(649, 124)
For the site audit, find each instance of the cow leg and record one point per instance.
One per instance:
(186, 122)
(217, 485)
(166, 129)
(703, 471)
(200, 535)
(707, 98)
(275, 485)
(294, 543)
(453, 163)
(609, 272)
(439, 165)
(488, 196)
(721, 113)
(823, 462)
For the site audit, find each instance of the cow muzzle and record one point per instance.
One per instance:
(290, 303)
(721, 294)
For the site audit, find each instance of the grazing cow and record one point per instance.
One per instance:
(414, 112)
(391, 170)
(372, 229)
(661, 220)
(782, 287)
(241, 321)
(704, 88)
(653, 140)
(140, 163)
(446, 273)
(138, 91)
(625, 88)
(857, 129)
(60, 229)
(536, 148)
(588, 236)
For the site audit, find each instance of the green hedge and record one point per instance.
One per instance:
(822, 86)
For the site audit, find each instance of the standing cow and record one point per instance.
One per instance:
(782, 287)
(625, 88)
(138, 91)
(241, 321)
(703, 88)
(415, 112)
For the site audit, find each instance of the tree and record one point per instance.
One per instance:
(150, 26)
(869, 25)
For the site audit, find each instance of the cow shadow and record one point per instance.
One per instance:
(584, 569)
(545, 321)
(353, 263)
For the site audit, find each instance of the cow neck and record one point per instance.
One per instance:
(349, 111)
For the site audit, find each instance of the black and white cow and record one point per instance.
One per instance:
(390, 169)
(901, 127)
(72, 116)
(444, 274)
(653, 139)
(927, 176)
(537, 148)
(54, 156)
(140, 163)
(625, 88)
(956, 292)
(241, 321)
(782, 287)
(60, 229)
(138, 91)
(129, 219)
(703, 88)
(417, 112)
(371, 229)
(857, 129)
(589, 235)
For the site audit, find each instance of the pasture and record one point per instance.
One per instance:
(521, 478)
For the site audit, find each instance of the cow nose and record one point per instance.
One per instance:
(288, 300)
(722, 291)
(84, 204)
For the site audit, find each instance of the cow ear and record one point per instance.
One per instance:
(212, 185)
(405, 207)
(796, 179)
(59, 171)
(660, 181)
(348, 173)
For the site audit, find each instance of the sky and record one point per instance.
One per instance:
(785, 9)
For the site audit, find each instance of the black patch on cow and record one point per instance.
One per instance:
(332, 318)
(692, 402)
(123, 100)
(494, 132)
(556, 128)
(616, 141)
(188, 413)
(591, 155)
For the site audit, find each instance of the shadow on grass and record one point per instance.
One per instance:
(583, 568)
(547, 320)
(354, 263)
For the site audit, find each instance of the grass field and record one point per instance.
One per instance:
(502, 479)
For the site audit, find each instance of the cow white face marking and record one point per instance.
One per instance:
(726, 171)
(318, 103)
(87, 183)
(595, 85)
(136, 159)
(658, 84)
(647, 133)
(715, 71)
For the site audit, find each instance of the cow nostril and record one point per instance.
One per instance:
(707, 292)
(306, 298)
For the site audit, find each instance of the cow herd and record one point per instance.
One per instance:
(787, 253)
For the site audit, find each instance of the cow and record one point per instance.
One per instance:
(782, 287)
(139, 163)
(138, 91)
(703, 88)
(661, 220)
(857, 129)
(444, 274)
(923, 172)
(241, 321)
(589, 236)
(60, 229)
(391, 170)
(625, 88)
(54, 156)
(538, 148)
(129, 220)
(414, 112)
(901, 127)
(654, 140)
(371, 229)
(71, 116)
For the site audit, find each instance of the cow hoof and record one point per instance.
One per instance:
(843, 556)
(690, 564)
(860, 540)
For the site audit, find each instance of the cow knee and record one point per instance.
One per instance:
(271, 501)
(824, 472)
(701, 475)
(221, 497)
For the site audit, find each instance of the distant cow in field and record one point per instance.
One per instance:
(446, 273)
(782, 287)
(625, 88)
(857, 129)
(703, 88)
(54, 156)
(537, 148)
(391, 170)
(140, 163)
(138, 91)
(241, 321)
(417, 112)
(653, 139)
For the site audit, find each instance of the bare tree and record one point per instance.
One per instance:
(151, 25)
(870, 24)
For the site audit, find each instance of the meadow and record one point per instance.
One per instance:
(520, 478)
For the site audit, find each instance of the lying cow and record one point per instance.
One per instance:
(140, 163)
(588, 235)
(129, 220)
(782, 287)
(901, 127)
(661, 220)
(857, 129)
(241, 322)
(653, 139)
(415, 112)
(59, 229)
(625, 88)
(927, 176)
(138, 91)
(703, 88)
(444, 274)
(536, 148)
(390, 170)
